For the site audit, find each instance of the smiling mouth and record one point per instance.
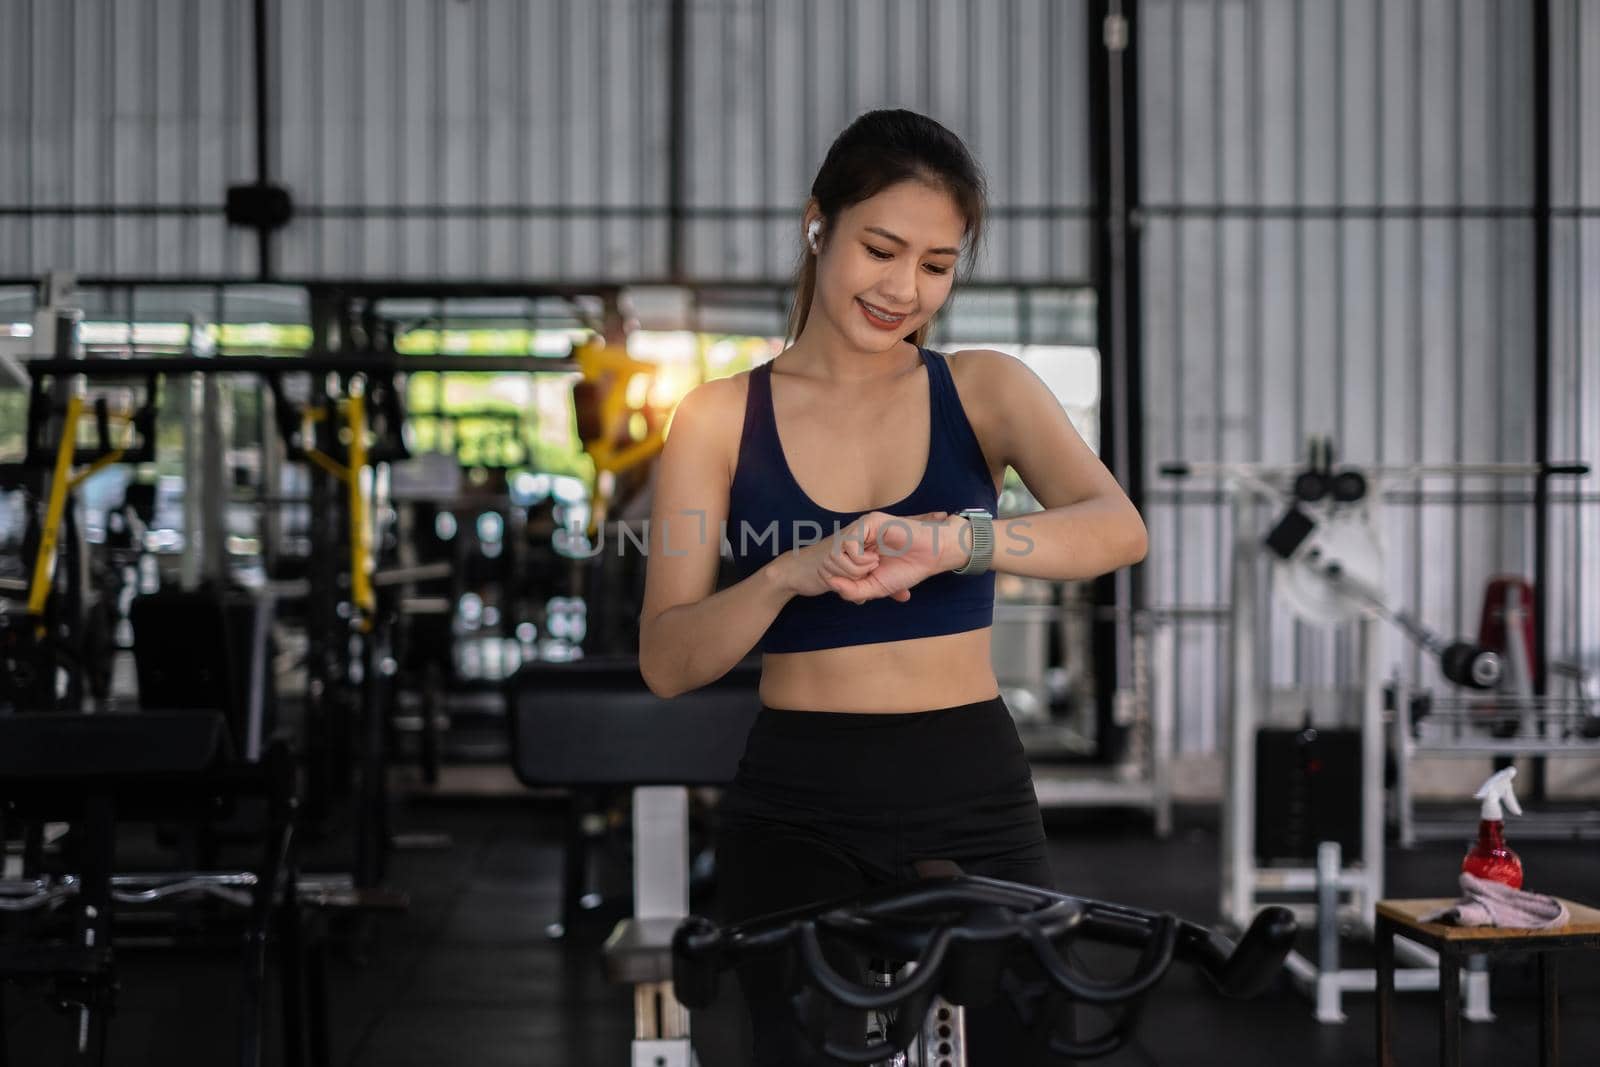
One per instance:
(879, 313)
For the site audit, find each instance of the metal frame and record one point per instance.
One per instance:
(1153, 715)
(1327, 883)
(942, 1042)
(1456, 713)
(1114, 152)
(660, 892)
(1543, 312)
(1245, 485)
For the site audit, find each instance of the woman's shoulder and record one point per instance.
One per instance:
(978, 372)
(979, 376)
(979, 363)
(713, 413)
(713, 400)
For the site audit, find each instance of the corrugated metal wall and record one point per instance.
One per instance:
(1575, 323)
(121, 124)
(1339, 240)
(772, 82)
(491, 139)
(514, 139)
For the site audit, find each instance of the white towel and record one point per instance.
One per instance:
(1486, 903)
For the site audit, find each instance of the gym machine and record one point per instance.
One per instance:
(52, 655)
(943, 942)
(1142, 778)
(1507, 718)
(593, 724)
(620, 428)
(164, 766)
(174, 761)
(1327, 567)
(345, 434)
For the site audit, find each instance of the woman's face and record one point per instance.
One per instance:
(895, 251)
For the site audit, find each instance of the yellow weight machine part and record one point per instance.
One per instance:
(62, 482)
(354, 410)
(361, 562)
(614, 450)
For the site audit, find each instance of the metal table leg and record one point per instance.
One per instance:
(1449, 1009)
(1383, 936)
(1549, 1017)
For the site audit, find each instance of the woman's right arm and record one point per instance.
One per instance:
(690, 635)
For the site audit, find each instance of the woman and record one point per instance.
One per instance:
(882, 742)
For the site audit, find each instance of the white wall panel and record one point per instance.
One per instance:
(1340, 241)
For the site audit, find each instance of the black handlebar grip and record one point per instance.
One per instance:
(695, 962)
(1580, 469)
(1174, 470)
(852, 995)
(1150, 968)
(1255, 962)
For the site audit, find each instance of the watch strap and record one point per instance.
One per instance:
(981, 524)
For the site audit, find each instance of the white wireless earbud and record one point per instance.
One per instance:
(811, 233)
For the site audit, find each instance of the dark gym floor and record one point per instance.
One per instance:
(468, 975)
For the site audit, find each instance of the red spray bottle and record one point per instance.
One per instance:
(1490, 859)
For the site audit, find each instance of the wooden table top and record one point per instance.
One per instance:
(1584, 920)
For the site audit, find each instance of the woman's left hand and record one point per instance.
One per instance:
(909, 548)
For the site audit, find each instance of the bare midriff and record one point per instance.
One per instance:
(919, 674)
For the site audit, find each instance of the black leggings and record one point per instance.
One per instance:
(826, 804)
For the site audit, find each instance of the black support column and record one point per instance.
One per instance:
(1114, 163)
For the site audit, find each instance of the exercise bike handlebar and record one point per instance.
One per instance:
(1240, 970)
(974, 922)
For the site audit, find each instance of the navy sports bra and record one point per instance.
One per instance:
(768, 514)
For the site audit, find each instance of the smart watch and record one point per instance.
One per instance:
(982, 524)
